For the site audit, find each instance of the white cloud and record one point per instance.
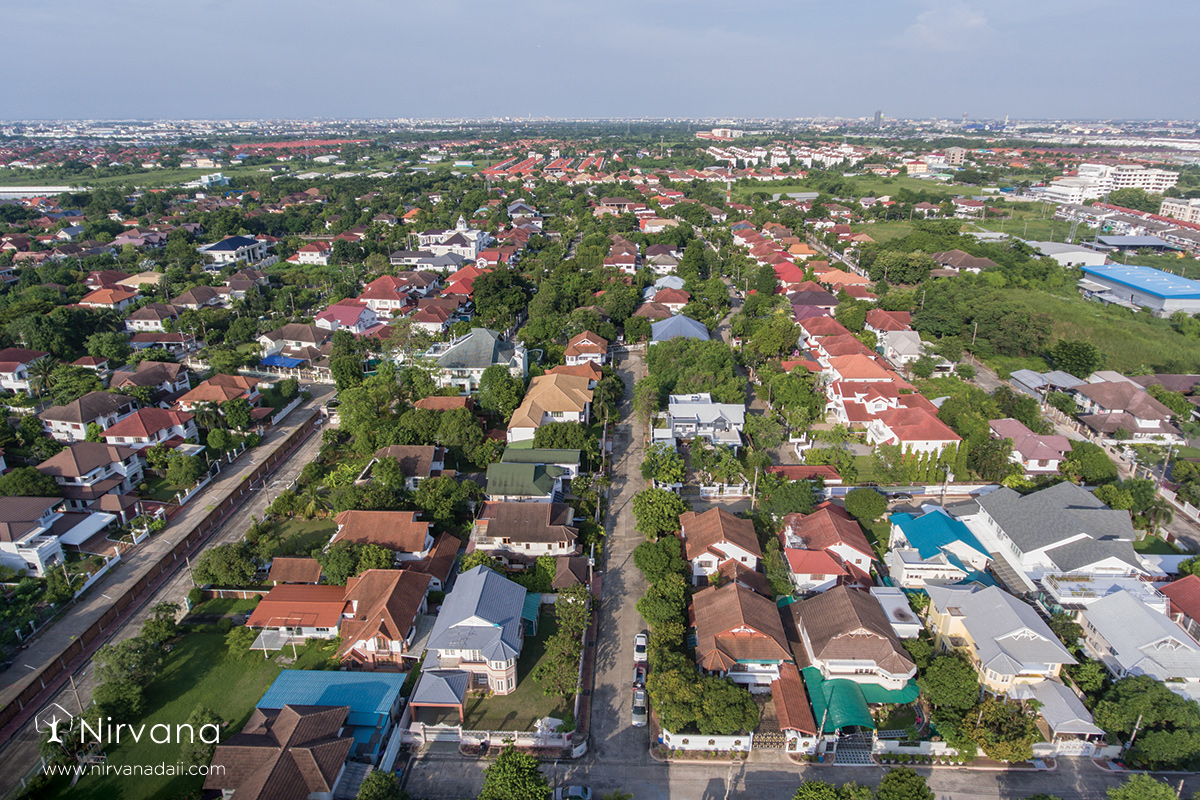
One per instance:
(947, 26)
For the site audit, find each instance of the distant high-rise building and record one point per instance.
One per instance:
(878, 119)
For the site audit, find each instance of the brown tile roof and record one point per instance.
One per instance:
(396, 530)
(440, 560)
(1185, 596)
(385, 603)
(89, 407)
(283, 754)
(19, 515)
(702, 531)
(586, 343)
(849, 624)
(653, 311)
(587, 369)
(738, 572)
(299, 605)
(550, 393)
(735, 624)
(416, 461)
(791, 701)
(569, 571)
(78, 459)
(1122, 396)
(285, 569)
(826, 526)
(529, 522)
(439, 403)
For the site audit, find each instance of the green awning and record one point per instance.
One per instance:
(876, 694)
(532, 606)
(838, 703)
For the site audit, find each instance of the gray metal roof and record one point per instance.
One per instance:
(1007, 632)
(1054, 518)
(482, 613)
(1143, 641)
(677, 326)
(479, 349)
(1062, 709)
(441, 687)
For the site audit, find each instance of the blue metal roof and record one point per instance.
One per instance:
(931, 532)
(1147, 279)
(280, 361)
(369, 695)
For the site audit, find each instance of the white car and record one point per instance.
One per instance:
(573, 793)
(639, 708)
(640, 643)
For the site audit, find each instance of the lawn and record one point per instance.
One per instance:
(1154, 546)
(1032, 226)
(160, 488)
(198, 671)
(528, 703)
(886, 231)
(879, 534)
(866, 469)
(864, 185)
(223, 606)
(943, 386)
(301, 535)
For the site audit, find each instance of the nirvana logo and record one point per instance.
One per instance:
(56, 721)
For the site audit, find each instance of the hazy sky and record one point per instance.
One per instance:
(562, 58)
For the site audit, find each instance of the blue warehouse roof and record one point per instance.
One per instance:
(1148, 280)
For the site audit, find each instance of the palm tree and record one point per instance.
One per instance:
(207, 415)
(313, 502)
(1159, 513)
(39, 374)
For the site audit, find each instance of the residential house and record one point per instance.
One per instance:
(14, 367)
(87, 471)
(1002, 636)
(519, 533)
(462, 361)
(714, 537)
(293, 338)
(151, 317)
(177, 344)
(1129, 638)
(914, 429)
(387, 296)
(900, 348)
(317, 253)
(673, 299)
(677, 327)
(349, 315)
(814, 571)
(220, 389)
(739, 635)
(108, 299)
(480, 629)
(434, 320)
(379, 623)
(1184, 595)
(568, 461)
(27, 540)
(400, 531)
(160, 377)
(587, 346)
(653, 311)
(417, 462)
(297, 611)
(1036, 453)
(845, 633)
(1111, 408)
(147, 427)
(831, 529)
(293, 569)
(233, 249)
(933, 549)
(293, 752)
(696, 416)
(199, 297)
(439, 564)
(524, 483)
(69, 423)
(551, 398)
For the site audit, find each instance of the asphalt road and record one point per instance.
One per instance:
(19, 754)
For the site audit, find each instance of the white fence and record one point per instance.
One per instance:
(109, 561)
(697, 741)
(420, 733)
(289, 408)
(894, 747)
(728, 491)
(1075, 748)
(1189, 510)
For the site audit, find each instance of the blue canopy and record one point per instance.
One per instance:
(281, 361)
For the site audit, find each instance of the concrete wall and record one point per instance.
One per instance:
(697, 741)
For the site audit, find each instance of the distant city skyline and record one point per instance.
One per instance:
(134, 59)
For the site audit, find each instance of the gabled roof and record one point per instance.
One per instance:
(88, 408)
(385, 603)
(827, 526)
(78, 459)
(395, 530)
(849, 624)
(145, 422)
(791, 701)
(735, 624)
(701, 532)
(1007, 632)
(1184, 595)
(287, 569)
(13, 357)
(1125, 396)
(479, 349)
(299, 605)
(1143, 641)
(1031, 446)
(522, 480)
(586, 343)
(529, 522)
(677, 327)
(415, 460)
(548, 394)
(482, 613)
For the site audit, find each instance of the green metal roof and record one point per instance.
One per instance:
(532, 606)
(838, 703)
(513, 454)
(876, 694)
(533, 480)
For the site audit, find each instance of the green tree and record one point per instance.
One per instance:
(514, 776)
(647, 398)
(1088, 675)
(787, 497)
(500, 392)
(1004, 731)
(903, 783)
(817, 790)
(1141, 787)
(443, 501)
(69, 383)
(161, 626)
(134, 660)
(658, 558)
(219, 440)
(725, 708)
(339, 563)
(1080, 358)
(656, 512)
(110, 345)
(663, 464)
(566, 436)
(380, 785)
(195, 751)
(991, 459)
(230, 564)
(950, 682)
(1176, 401)
(346, 370)
(865, 504)
(28, 482)
(236, 413)
(479, 558)
(1088, 463)
(184, 470)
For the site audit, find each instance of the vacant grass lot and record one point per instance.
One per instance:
(885, 231)
(863, 186)
(528, 703)
(1031, 225)
(301, 535)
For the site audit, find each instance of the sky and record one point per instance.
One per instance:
(260, 59)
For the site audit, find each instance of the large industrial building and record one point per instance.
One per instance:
(1145, 287)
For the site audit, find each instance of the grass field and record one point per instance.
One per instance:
(300, 535)
(1152, 545)
(222, 606)
(885, 231)
(1032, 226)
(527, 703)
(1188, 267)
(946, 386)
(867, 185)
(161, 489)
(198, 671)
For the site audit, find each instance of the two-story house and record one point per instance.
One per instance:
(524, 483)
(1036, 453)
(933, 549)
(739, 635)
(586, 346)
(1109, 407)
(379, 623)
(87, 471)
(417, 462)
(69, 423)
(160, 377)
(462, 361)
(14, 367)
(219, 389)
(348, 315)
(831, 529)
(387, 296)
(295, 340)
(1184, 595)
(480, 630)
(1002, 636)
(400, 531)
(845, 633)
(147, 427)
(913, 429)
(696, 416)
(518, 533)
(715, 537)
(551, 398)
(26, 539)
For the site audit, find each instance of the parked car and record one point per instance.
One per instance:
(639, 676)
(901, 497)
(639, 708)
(573, 793)
(640, 643)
